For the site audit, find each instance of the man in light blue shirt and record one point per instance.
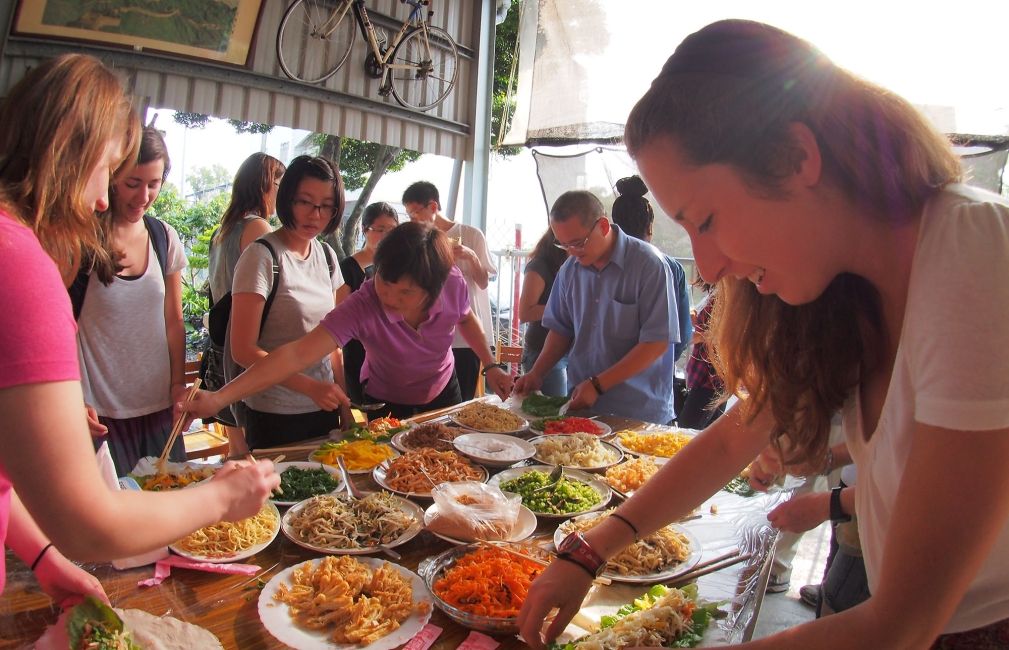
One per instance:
(613, 307)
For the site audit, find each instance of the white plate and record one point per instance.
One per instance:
(523, 425)
(399, 440)
(279, 623)
(357, 471)
(380, 472)
(411, 509)
(281, 500)
(241, 555)
(594, 468)
(649, 578)
(599, 486)
(478, 446)
(525, 526)
(606, 431)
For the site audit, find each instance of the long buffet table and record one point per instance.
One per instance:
(227, 604)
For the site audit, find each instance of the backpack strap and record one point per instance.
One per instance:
(276, 282)
(329, 260)
(158, 231)
(210, 250)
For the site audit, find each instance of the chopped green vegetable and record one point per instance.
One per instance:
(358, 432)
(299, 484)
(543, 405)
(568, 496)
(740, 486)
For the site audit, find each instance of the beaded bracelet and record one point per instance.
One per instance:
(627, 521)
(38, 558)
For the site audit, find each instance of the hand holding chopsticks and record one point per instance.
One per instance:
(176, 428)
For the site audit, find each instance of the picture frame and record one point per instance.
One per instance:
(215, 30)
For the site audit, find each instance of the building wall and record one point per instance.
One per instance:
(347, 104)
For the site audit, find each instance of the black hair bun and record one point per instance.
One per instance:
(631, 186)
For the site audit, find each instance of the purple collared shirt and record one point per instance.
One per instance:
(402, 364)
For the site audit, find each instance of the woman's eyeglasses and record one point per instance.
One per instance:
(307, 207)
(378, 230)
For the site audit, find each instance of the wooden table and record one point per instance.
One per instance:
(227, 605)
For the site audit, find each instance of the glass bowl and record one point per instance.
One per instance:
(433, 568)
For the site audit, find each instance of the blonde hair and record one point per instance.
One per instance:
(729, 95)
(55, 126)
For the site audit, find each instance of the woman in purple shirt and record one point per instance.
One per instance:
(406, 318)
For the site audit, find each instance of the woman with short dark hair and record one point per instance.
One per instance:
(406, 317)
(310, 203)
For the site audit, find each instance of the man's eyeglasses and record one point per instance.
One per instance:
(307, 207)
(581, 243)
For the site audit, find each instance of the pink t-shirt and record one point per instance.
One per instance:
(402, 365)
(37, 328)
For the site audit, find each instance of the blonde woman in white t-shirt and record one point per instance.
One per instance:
(827, 210)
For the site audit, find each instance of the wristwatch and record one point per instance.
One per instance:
(836, 511)
(575, 549)
(502, 366)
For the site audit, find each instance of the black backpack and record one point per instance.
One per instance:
(220, 310)
(158, 232)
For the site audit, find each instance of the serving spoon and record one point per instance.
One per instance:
(555, 476)
(368, 408)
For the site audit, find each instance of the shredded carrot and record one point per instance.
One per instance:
(488, 582)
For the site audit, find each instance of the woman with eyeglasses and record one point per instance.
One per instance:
(253, 201)
(311, 403)
(376, 222)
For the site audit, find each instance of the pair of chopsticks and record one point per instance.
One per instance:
(252, 459)
(177, 428)
(731, 558)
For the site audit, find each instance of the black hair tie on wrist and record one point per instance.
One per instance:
(42, 553)
(627, 521)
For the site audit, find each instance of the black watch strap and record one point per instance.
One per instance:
(502, 366)
(837, 514)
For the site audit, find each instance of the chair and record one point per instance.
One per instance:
(509, 354)
(204, 440)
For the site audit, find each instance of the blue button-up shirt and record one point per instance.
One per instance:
(606, 313)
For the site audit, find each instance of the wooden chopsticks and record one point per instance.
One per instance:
(731, 558)
(177, 427)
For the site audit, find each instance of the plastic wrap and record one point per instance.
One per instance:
(471, 510)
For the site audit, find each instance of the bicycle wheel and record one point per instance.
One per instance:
(309, 47)
(424, 68)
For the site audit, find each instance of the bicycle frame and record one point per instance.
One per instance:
(370, 35)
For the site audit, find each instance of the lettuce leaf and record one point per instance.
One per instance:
(95, 616)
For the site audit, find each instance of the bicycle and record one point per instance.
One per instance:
(419, 66)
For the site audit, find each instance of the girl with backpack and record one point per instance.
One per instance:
(253, 201)
(293, 278)
(130, 330)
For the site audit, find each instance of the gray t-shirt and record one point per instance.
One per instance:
(304, 296)
(122, 341)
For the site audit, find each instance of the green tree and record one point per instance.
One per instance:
(362, 165)
(204, 179)
(505, 60)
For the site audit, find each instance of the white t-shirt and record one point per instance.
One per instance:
(122, 341)
(304, 296)
(950, 371)
(479, 300)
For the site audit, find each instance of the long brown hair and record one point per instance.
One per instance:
(253, 181)
(54, 127)
(729, 95)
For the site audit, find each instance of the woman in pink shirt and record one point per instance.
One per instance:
(405, 317)
(62, 129)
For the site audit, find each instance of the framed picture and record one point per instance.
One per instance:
(217, 30)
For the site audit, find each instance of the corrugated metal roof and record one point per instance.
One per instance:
(347, 104)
